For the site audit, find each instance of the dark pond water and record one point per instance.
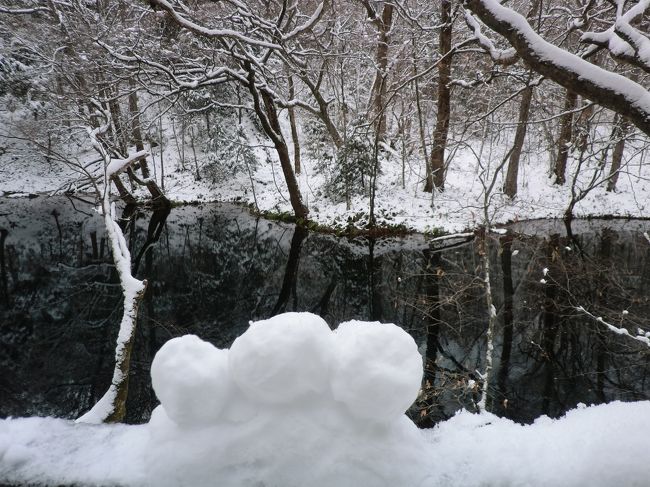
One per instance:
(213, 268)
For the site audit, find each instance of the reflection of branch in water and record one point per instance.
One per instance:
(72, 197)
(641, 336)
(154, 230)
(322, 307)
(291, 271)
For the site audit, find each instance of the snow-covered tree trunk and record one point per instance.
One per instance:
(112, 406)
(492, 317)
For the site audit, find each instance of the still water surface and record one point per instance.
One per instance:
(212, 268)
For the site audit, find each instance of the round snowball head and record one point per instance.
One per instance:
(283, 358)
(191, 380)
(377, 369)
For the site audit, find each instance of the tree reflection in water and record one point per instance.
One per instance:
(211, 269)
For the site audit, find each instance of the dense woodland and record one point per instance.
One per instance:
(343, 82)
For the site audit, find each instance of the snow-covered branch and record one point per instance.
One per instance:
(22, 11)
(641, 336)
(622, 40)
(212, 33)
(499, 56)
(606, 88)
(116, 166)
(313, 20)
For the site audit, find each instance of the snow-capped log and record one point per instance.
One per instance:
(112, 405)
(608, 89)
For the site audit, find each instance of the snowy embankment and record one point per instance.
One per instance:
(293, 404)
(400, 199)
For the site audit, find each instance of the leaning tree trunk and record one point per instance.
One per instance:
(268, 116)
(157, 196)
(510, 186)
(112, 405)
(443, 103)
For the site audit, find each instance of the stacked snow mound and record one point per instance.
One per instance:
(291, 403)
(191, 379)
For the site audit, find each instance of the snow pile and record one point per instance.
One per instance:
(291, 403)
(598, 446)
(294, 404)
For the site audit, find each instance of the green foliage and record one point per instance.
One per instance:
(348, 175)
(14, 78)
(229, 152)
(318, 144)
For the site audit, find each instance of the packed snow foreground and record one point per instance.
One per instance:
(292, 403)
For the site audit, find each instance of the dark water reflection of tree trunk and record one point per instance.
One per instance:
(430, 312)
(290, 272)
(4, 286)
(508, 325)
(211, 269)
(549, 327)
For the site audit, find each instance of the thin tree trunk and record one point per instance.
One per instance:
(118, 122)
(510, 186)
(157, 195)
(162, 162)
(423, 139)
(621, 126)
(196, 160)
(294, 129)
(443, 103)
(379, 86)
(564, 140)
(323, 112)
(268, 117)
(508, 324)
(492, 317)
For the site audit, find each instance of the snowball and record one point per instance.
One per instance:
(283, 358)
(377, 369)
(191, 379)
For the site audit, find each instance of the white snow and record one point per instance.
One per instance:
(346, 428)
(596, 446)
(191, 380)
(377, 370)
(118, 165)
(282, 359)
(634, 93)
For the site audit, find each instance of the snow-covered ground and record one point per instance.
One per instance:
(400, 199)
(293, 404)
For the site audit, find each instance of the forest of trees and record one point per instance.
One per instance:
(345, 80)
